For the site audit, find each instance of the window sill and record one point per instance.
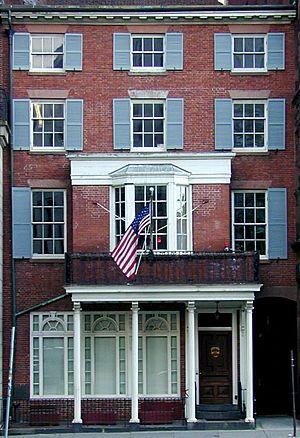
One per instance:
(249, 73)
(47, 152)
(47, 73)
(250, 152)
(59, 259)
(148, 150)
(147, 73)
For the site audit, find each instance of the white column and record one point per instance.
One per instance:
(135, 365)
(77, 362)
(191, 400)
(249, 364)
(243, 357)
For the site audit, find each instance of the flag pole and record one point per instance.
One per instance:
(151, 220)
(147, 232)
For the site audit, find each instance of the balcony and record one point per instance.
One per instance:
(168, 268)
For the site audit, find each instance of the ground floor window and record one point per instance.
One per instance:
(106, 354)
(52, 354)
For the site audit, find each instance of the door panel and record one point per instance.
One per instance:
(215, 380)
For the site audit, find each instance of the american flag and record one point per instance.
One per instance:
(125, 252)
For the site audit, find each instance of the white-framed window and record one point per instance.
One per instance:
(249, 221)
(249, 52)
(249, 124)
(49, 223)
(171, 222)
(52, 357)
(48, 125)
(47, 52)
(105, 354)
(148, 124)
(147, 52)
(158, 354)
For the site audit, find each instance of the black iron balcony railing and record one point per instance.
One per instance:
(167, 268)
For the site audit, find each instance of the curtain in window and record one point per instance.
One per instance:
(157, 364)
(53, 366)
(105, 365)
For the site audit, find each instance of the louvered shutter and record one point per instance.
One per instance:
(276, 124)
(222, 51)
(121, 51)
(21, 218)
(223, 124)
(74, 125)
(121, 122)
(73, 51)
(276, 51)
(174, 51)
(21, 124)
(277, 223)
(174, 123)
(21, 51)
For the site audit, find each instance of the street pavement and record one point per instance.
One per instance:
(266, 427)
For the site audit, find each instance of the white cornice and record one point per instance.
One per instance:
(164, 293)
(145, 15)
(201, 168)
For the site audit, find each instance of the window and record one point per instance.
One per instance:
(147, 52)
(48, 119)
(250, 222)
(51, 53)
(52, 355)
(249, 52)
(158, 354)
(249, 124)
(148, 124)
(165, 237)
(105, 349)
(47, 52)
(48, 223)
(50, 126)
(144, 124)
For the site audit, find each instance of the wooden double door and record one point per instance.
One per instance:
(215, 367)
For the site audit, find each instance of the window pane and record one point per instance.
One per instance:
(157, 365)
(105, 365)
(53, 366)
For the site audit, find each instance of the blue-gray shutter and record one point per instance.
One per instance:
(276, 51)
(21, 218)
(277, 222)
(121, 51)
(222, 51)
(276, 124)
(174, 51)
(74, 125)
(121, 122)
(21, 51)
(223, 124)
(174, 123)
(73, 46)
(21, 124)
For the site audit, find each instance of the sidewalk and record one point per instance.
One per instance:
(266, 427)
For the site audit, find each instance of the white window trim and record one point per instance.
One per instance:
(47, 70)
(261, 257)
(250, 149)
(40, 334)
(249, 70)
(161, 148)
(51, 256)
(147, 69)
(46, 149)
(170, 182)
